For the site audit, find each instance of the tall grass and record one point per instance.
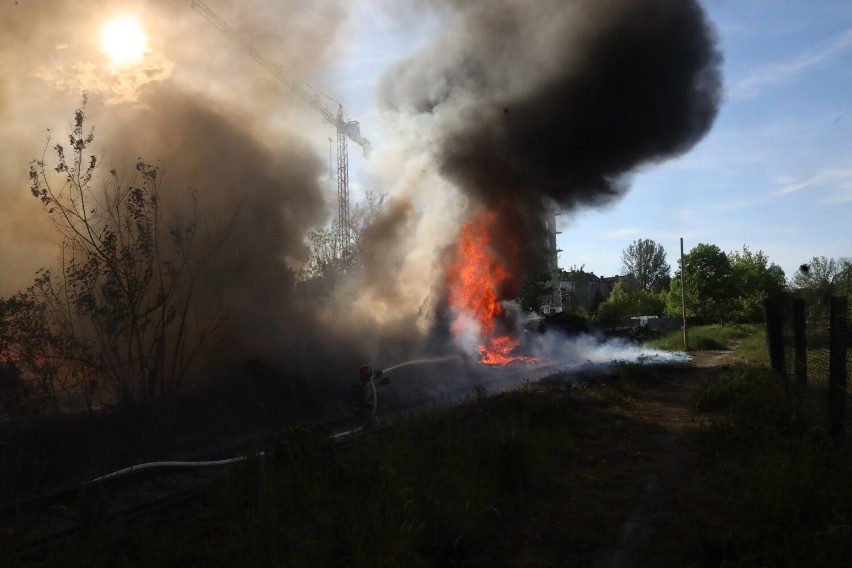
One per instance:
(774, 488)
(435, 490)
(752, 350)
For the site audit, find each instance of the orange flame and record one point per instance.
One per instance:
(474, 280)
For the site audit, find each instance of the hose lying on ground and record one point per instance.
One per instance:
(188, 464)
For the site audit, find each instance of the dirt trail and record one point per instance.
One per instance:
(617, 501)
(656, 437)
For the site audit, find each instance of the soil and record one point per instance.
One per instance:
(620, 506)
(670, 457)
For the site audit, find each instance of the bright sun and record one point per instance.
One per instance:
(123, 40)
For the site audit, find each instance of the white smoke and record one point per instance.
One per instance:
(585, 350)
(448, 379)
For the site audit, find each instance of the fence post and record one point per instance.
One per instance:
(775, 334)
(837, 367)
(800, 344)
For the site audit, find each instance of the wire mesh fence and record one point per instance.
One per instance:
(809, 345)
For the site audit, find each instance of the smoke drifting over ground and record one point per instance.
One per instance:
(532, 105)
(570, 359)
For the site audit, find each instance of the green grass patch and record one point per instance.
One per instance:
(706, 337)
(752, 350)
(773, 488)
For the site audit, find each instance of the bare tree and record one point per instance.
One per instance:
(645, 260)
(121, 301)
(325, 265)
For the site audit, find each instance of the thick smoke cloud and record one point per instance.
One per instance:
(215, 122)
(533, 104)
(518, 105)
(257, 201)
(50, 53)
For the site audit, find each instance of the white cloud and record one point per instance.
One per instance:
(791, 185)
(836, 181)
(785, 71)
(841, 191)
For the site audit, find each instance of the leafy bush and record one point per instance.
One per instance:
(625, 302)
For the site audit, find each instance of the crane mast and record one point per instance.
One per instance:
(346, 129)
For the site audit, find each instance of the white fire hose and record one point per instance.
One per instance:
(213, 463)
(156, 465)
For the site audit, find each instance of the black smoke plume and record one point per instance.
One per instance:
(556, 102)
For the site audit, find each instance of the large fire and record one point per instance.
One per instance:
(474, 279)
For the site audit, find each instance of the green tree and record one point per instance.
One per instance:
(535, 292)
(754, 280)
(709, 284)
(119, 307)
(616, 306)
(647, 303)
(822, 278)
(645, 261)
(673, 305)
(626, 302)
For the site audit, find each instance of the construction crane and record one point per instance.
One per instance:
(346, 129)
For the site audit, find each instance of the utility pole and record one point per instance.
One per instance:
(683, 294)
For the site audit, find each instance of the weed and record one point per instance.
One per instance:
(704, 343)
(775, 477)
(624, 383)
(433, 491)
(752, 349)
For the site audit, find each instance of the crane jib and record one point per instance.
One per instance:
(309, 94)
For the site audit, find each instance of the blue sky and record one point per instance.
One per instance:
(775, 171)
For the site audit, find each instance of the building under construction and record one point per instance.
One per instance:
(553, 303)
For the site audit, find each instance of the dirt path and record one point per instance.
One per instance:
(669, 458)
(618, 499)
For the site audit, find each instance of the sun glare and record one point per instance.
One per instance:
(123, 40)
